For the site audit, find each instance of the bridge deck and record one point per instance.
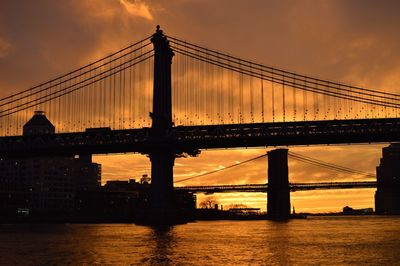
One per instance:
(264, 187)
(191, 138)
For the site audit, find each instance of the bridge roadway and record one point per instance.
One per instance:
(264, 187)
(191, 138)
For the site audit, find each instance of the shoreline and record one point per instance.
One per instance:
(93, 220)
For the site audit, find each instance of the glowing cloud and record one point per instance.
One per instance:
(137, 8)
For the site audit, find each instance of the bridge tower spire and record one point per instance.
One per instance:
(162, 102)
(162, 157)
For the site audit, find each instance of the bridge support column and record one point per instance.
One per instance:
(162, 165)
(278, 198)
(162, 209)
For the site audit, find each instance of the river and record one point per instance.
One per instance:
(341, 240)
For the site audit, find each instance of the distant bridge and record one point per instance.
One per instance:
(264, 187)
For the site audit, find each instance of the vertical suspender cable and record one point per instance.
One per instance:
(283, 99)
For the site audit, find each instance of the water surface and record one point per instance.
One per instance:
(364, 240)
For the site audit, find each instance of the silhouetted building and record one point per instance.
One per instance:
(38, 125)
(245, 211)
(115, 200)
(45, 185)
(122, 185)
(350, 211)
(120, 200)
(387, 196)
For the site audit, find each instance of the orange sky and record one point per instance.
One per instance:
(354, 42)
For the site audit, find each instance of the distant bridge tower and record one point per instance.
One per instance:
(278, 197)
(162, 156)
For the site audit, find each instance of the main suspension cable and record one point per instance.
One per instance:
(272, 69)
(76, 70)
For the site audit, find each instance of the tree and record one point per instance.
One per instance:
(208, 203)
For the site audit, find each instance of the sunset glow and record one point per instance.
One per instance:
(338, 42)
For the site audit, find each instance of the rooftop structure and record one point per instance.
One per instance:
(38, 125)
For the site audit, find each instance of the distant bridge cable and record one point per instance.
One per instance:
(222, 169)
(331, 166)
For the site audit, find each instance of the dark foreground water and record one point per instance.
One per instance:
(317, 241)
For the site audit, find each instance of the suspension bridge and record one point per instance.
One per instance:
(293, 187)
(264, 187)
(176, 98)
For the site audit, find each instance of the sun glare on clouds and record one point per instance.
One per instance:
(137, 8)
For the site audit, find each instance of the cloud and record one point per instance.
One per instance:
(79, 32)
(5, 48)
(137, 8)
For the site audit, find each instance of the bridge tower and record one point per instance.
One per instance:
(162, 157)
(278, 197)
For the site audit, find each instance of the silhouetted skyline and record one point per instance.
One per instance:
(338, 44)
